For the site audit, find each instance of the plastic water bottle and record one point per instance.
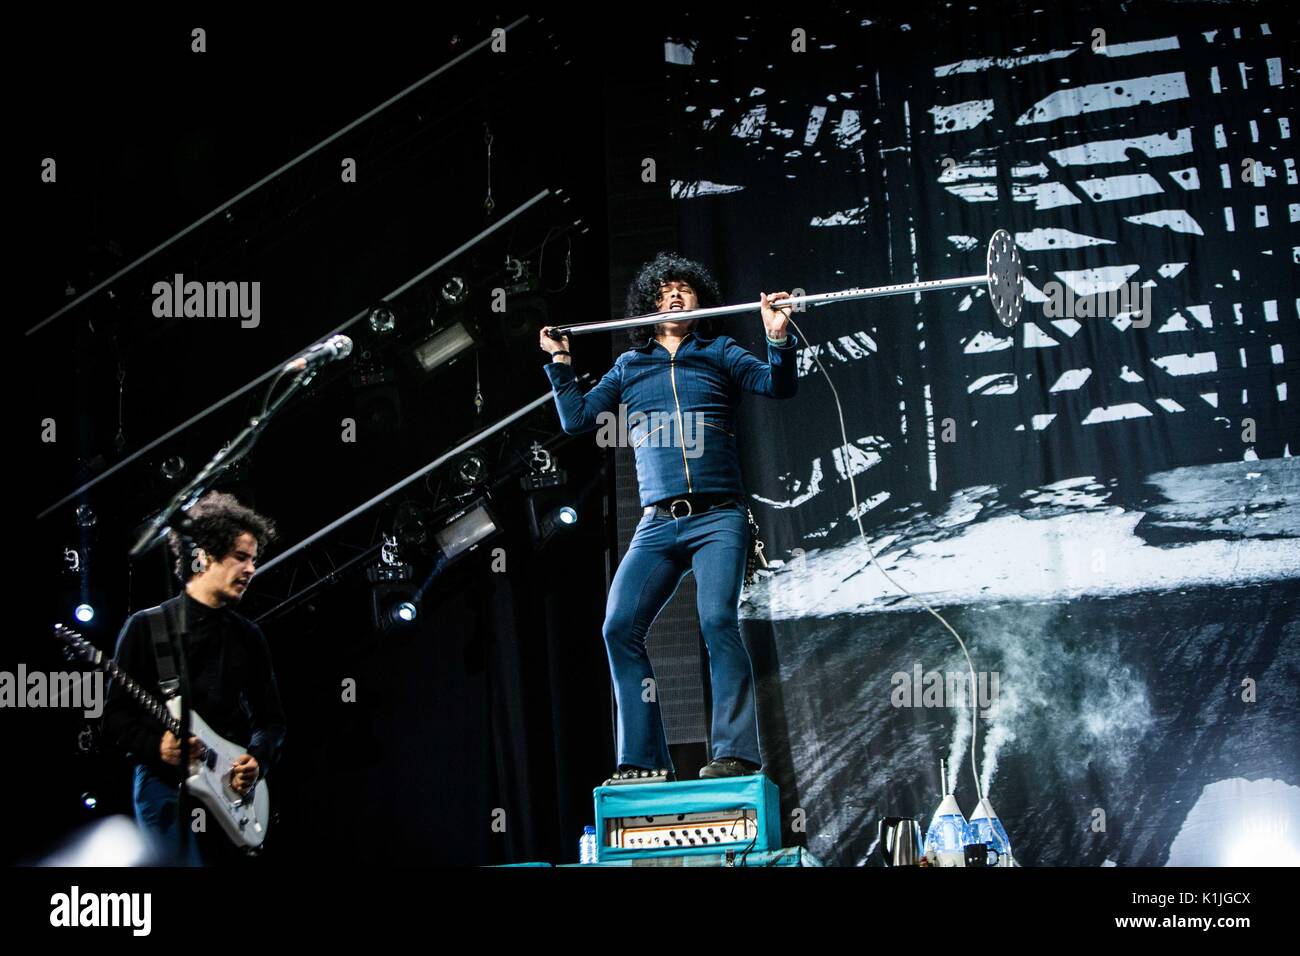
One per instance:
(587, 845)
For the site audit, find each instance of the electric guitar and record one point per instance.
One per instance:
(243, 817)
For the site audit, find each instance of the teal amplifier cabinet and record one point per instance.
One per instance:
(692, 817)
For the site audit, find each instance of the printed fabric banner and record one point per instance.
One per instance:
(1101, 500)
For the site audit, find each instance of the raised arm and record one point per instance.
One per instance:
(579, 412)
(775, 378)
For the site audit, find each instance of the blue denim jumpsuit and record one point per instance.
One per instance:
(680, 415)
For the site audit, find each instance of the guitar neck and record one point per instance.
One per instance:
(142, 697)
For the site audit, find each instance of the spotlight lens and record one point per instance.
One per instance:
(405, 612)
(471, 470)
(173, 467)
(88, 801)
(568, 515)
(455, 290)
(382, 320)
(84, 613)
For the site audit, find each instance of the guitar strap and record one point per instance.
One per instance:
(159, 622)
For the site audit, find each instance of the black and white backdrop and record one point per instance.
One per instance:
(1104, 506)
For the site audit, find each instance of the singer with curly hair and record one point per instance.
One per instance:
(678, 388)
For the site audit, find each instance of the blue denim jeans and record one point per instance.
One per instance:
(155, 811)
(713, 545)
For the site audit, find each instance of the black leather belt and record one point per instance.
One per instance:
(688, 505)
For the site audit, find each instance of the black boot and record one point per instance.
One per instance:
(728, 767)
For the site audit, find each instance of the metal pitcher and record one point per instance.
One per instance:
(899, 839)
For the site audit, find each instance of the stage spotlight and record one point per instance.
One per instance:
(471, 470)
(394, 606)
(394, 600)
(465, 530)
(88, 801)
(172, 468)
(548, 502)
(84, 613)
(545, 520)
(556, 518)
(443, 347)
(381, 320)
(454, 291)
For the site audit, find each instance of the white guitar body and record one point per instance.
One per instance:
(243, 818)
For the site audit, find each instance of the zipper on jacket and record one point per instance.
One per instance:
(672, 373)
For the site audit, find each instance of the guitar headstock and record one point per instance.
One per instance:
(76, 646)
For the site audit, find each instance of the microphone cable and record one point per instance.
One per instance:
(857, 512)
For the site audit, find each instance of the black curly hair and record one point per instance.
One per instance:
(643, 293)
(216, 522)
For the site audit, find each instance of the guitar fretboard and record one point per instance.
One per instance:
(146, 700)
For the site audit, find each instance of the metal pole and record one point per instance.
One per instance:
(821, 298)
(1002, 275)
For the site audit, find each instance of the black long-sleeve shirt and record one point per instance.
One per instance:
(231, 682)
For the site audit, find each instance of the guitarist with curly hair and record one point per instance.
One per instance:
(231, 679)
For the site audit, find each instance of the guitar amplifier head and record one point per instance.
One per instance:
(723, 829)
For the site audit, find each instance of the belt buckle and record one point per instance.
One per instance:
(672, 508)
